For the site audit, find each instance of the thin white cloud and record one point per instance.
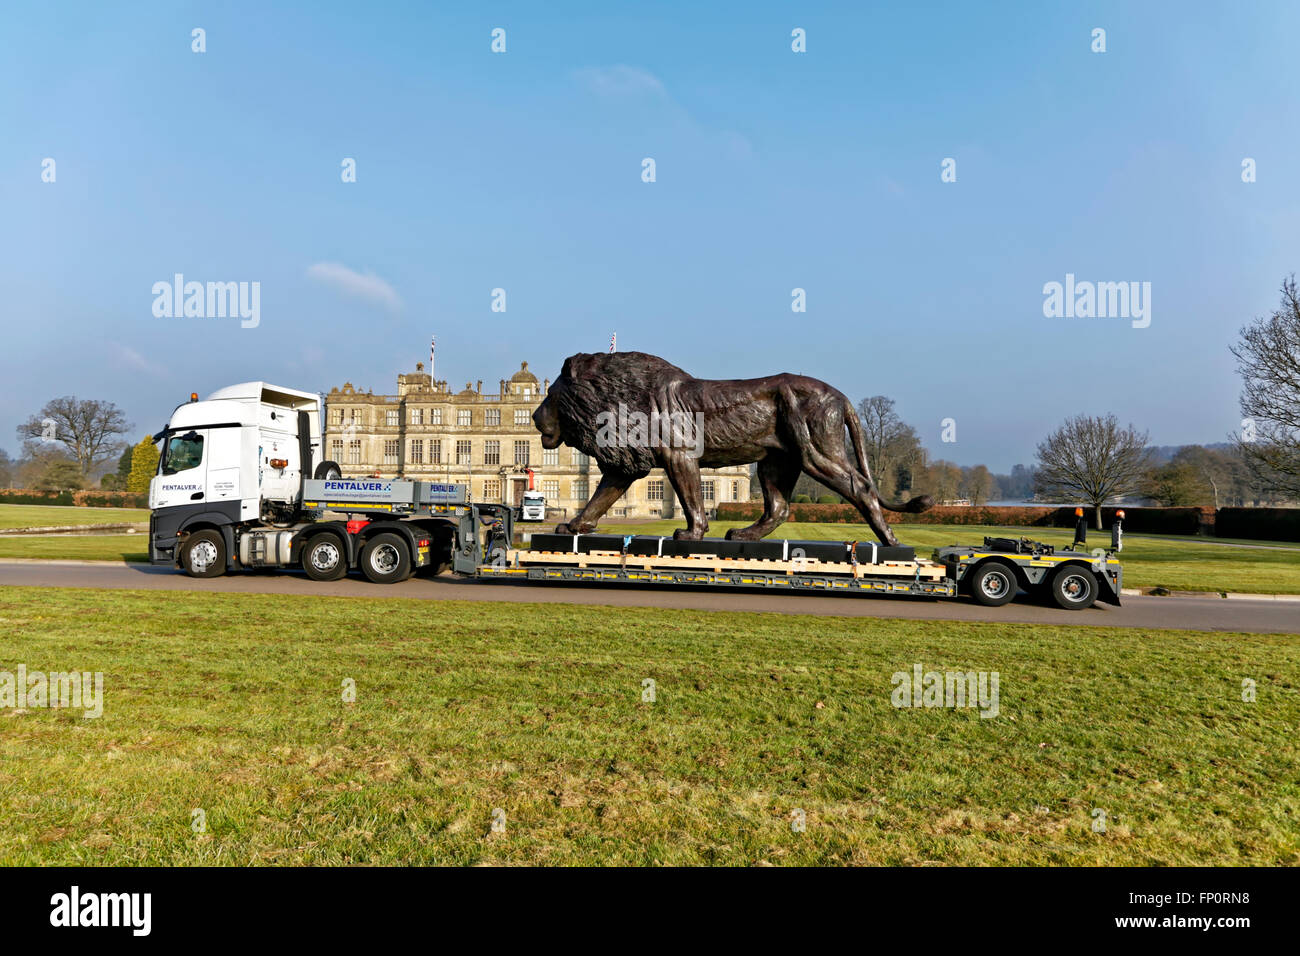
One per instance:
(621, 80)
(366, 286)
(129, 358)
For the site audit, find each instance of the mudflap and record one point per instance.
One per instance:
(1108, 590)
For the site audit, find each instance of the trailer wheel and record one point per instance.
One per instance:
(324, 559)
(327, 471)
(204, 554)
(1074, 588)
(993, 584)
(385, 559)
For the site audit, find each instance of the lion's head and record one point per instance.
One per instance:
(592, 383)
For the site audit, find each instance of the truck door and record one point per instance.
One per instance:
(223, 463)
(182, 468)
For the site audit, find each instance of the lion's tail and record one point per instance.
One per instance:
(916, 505)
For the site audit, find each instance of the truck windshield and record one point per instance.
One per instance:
(181, 453)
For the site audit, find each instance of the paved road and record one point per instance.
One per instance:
(1193, 613)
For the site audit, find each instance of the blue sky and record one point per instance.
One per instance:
(775, 170)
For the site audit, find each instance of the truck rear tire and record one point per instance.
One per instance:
(327, 471)
(385, 559)
(993, 584)
(204, 554)
(1073, 588)
(324, 559)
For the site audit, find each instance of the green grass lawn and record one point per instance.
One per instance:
(232, 704)
(1181, 564)
(98, 547)
(62, 516)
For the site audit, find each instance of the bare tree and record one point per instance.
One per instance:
(1268, 360)
(977, 484)
(890, 442)
(943, 481)
(90, 430)
(1092, 459)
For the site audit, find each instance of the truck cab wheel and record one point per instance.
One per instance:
(993, 584)
(1073, 588)
(385, 559)
(204, 554)
(324, 559)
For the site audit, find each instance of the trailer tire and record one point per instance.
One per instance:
(1073, 588)
(993, 584)
(385, 559)
(204, 554)
(324, 558)
(328, 471)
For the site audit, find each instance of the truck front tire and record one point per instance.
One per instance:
(385, 559)
(324, 559)
(203, 555)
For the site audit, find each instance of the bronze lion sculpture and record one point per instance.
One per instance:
(632, 412)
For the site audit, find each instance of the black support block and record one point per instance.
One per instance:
(769, 550)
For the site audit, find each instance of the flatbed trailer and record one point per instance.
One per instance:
(991, 574)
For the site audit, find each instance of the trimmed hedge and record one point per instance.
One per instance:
(79, 499)
(1153, 520)
(1268, 524)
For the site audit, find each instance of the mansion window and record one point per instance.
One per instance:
(491, 453)
(492, 417)
(417, 416)
(354, 452)
(579, 458)
(390, 452)
(435, 416)
(492, 490)
(435, 451)
(464, 417)
(551, 489)
(390, 417)
(336, 450)
(462, 453)
(522, 416)
(654, 490)
(580, 489)
(708, 490)
(416, 456)
(550, 456)
(521, 453)
(336, 416)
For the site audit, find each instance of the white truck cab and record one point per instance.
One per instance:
(532, 506)
(239, 455)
